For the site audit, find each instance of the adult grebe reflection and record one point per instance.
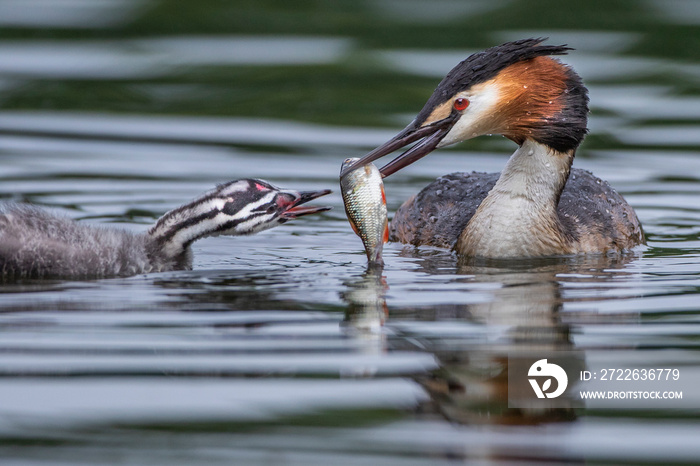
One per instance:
(522, 317)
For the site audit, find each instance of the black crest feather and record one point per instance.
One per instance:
(482, 66)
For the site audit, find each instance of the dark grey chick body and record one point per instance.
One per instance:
(35, 244)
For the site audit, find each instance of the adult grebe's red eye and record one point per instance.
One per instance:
(461, 104)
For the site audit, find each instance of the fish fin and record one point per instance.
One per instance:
(386, 233)
(354, 228)
(383, 194)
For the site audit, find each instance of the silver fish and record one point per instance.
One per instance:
(365, 204)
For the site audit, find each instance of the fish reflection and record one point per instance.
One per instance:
(366, 310)
(366, 303)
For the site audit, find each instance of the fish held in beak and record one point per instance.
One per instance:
(365, 204)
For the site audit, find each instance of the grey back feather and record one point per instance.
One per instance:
(37, 244)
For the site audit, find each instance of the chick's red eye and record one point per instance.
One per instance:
(461, 104)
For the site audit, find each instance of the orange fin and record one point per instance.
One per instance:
(386, 233)
(354, 228)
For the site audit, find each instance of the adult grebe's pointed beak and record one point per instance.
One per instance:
(296, 209)
(431, 135)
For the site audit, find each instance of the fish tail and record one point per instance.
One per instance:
(375, 256)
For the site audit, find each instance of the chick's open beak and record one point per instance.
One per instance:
(431, 135)
(296, 209)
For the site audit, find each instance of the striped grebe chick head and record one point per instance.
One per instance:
(241, 207)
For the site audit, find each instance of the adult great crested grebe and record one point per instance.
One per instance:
(37, 244)
(538, 206)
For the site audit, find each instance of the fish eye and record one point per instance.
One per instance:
(461, 104)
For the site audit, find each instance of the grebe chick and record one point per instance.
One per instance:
(37, 244)
(537, 206)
